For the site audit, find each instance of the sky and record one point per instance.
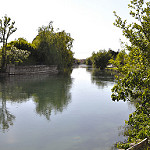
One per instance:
(90, 22)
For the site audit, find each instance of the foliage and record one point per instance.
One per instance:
(23, 44)
(119, 61)
(134, 81)
(113, 53)
(76, 61)
(101, 59)
(138, 124)
(89, 61)
(49, 47)
(15, 56)
(53, 47)
(6, 29)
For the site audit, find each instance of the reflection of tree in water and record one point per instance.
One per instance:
(101, 78)
(6, 118)
(48, 92)
(52, 94)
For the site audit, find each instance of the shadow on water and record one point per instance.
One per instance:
(50, 93)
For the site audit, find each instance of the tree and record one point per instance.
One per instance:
(88, 61)
(16, 56)
(134, 82)
(45, 45)
(113, 53)
(64, 53)
(119, 61)
(138, 60)
(101, 59)
(54, 48)
(23, 45)
(6, 29)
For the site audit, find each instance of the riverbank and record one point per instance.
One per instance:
(28, 70)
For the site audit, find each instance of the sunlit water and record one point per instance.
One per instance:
(60, 113)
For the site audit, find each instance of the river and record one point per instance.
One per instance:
(61, 112)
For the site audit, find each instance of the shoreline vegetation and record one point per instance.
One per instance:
(134, 82)
(49, 47)
(133, 66)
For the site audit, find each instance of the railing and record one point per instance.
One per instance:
(139, 146)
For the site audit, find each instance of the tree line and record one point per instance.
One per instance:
(101, 58)
(49, 47)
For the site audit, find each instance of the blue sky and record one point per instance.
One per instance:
(90, 22)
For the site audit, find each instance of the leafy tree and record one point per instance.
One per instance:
(76, 61)
(45, 45)
(113, 53)
(88, 61)
(119, 61)
(101, 59)
(134, 82)
(64, 53)
(6, 29)
(15, 56)
(137, 62)
(54, 47)
(23, 44)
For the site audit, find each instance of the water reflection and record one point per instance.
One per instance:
(90, 121)
(50, 93)
(6, 118)
(101, 78)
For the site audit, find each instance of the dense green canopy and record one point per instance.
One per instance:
(134, 82)
(53, 47)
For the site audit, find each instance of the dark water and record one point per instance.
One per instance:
(60, 113)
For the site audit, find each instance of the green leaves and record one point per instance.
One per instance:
(133, 84)
(14, 55)
(137, 33)
(6, 29)
(54, 47)
(100, 59)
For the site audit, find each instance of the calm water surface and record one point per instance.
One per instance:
(60, 113)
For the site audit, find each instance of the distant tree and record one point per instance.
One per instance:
(88, 61)
(76, 61)
(101, 59)
(6, 29)
(120, 60)
(113, 53)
